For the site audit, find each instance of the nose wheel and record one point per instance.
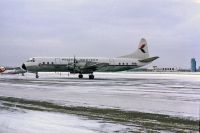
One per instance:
(36, 75)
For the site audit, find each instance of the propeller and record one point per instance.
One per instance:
(74, 64)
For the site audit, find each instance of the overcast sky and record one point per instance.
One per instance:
(105, 28)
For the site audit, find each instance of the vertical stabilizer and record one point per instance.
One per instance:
(141, 53)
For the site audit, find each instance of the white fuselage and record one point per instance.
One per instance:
(38, 64)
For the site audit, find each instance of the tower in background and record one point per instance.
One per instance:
(193, 65)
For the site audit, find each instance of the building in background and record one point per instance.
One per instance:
(193, 65)
(161, 69)
(165, 69)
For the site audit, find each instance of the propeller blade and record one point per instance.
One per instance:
(74, 63)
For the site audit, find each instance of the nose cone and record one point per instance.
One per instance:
(24, 67)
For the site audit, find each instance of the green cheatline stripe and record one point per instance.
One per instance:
(146, 120)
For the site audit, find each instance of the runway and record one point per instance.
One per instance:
(175, 95)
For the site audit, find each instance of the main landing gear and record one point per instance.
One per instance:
(80, 76)
(91, 76)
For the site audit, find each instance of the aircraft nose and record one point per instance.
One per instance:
(24, 67)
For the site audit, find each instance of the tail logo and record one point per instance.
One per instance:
(142, 48)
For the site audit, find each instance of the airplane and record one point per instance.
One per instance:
(12, 70)
(88, 65)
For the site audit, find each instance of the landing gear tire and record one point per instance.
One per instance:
(80, 76)
(36, 76)
(91, 76)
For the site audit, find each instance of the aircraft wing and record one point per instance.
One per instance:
(85, 67)
(94, 64)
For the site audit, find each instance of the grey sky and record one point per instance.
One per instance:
(105, 28)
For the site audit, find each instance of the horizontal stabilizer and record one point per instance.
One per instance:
(149, 59)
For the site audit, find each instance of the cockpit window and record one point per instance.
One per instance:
(31, 60)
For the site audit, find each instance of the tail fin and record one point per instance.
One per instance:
(141, 53)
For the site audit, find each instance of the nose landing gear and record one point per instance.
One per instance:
(91, 76)
(36, 75)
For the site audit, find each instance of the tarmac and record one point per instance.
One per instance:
(142, 95)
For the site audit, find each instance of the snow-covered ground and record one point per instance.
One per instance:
(24, 121)
(176, 94)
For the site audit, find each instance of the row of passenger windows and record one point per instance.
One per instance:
(48, 63)
(126, 64)
(168, 69)
(88, 59)
(71, 59)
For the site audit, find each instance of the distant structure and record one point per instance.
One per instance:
(165, 69)
(193, 65)
(161, 69)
